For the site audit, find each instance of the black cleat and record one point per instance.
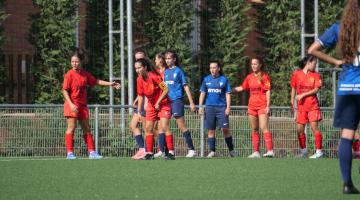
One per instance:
(349, 188)
(149, 156)
(170, 156)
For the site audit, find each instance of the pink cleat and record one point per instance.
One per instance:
(139, 154)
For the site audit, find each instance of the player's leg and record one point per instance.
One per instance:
(264, 126)
(314, 123)
(69, 137)
(356, 146)
(164, 126)
(88, 138)
(300, 129)
(223, 123)
(255, 136)
(138, 137)
(210, 124)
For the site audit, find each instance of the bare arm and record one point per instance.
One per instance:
(292, 99)
(140, 100)
(238, 89)
(165, 91)
(308, 93)
(315, 50)
(228, 103)
(201, 101)
(110, 84)
(267, 109)
(188, 93)
(66, 95)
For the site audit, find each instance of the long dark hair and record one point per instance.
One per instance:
(305, 60)
(349, 38)
(161, 55)
(261, 63)
(219, 64)
(175, 56)
(79, 54)
(149, 67)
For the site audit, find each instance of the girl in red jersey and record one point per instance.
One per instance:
(74, 88)
(305, 83)
(259, 85)
(151, 86)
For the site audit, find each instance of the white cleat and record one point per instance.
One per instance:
(233, 153)
(159, 154)
(269, 154)
(211, 154)
(318, 154)
(256, 154)
(191, 154)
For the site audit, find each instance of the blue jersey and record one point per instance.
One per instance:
(349, 80)
(175, 80)
(215, 89)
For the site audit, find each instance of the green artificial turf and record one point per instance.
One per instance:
(222, 178)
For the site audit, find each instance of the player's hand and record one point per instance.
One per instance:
(267, 110)
(115, 85)
(74, 108)
(299, 97)
(227, 111)
(192, 107)
(139, 117)
(237, 89)
(292, 108)
(201, 110)
(338, 63)
(157, 106)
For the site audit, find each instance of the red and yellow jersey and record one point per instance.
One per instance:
(151, 88)
(76, 84)
(302, 83)
(258, 86)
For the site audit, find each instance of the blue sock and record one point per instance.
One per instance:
(212, 143)
(229, 143)
(161, 142)
(188, 139)
(139, 141)
(345, 159)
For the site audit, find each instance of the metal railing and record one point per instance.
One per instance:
(38, 131)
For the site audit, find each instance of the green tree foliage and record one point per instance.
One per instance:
(53, 36)
(229, 29)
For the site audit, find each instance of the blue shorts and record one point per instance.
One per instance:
(177, 108)
(347, 111)
(215, 115)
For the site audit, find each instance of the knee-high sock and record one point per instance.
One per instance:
(255, 141)
(212, 143)
(169, 142)
(302, 140)
(345, 159)
(89, 141)
(149, 140)
(188, 140)
(229, 143)
(268, 141)
(139, 141)
(318, 140)
(161, 142)
(356, 146)
(69, 142)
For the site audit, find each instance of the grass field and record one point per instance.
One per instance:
(221, 178)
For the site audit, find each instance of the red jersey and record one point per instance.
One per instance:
(75, 83)
(258, 89)
(302, 82)
(150, 88)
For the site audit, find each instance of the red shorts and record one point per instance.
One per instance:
(153, 115)
(303, 117)
(83, 112)
(256, 112)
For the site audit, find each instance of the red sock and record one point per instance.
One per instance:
(268, 141)
(356, 145)
(149, 140)
(89, 141)
(302, 140)
(169, 142)
(256, 141)
(69, 142)
(318, 140)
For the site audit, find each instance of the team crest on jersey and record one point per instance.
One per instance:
(311, 79)
(221, 84)
(175, 75)
(267, 84)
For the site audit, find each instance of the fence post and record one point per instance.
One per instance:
(202, 138)
(96, 128)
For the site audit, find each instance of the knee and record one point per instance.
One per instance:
(211, 133)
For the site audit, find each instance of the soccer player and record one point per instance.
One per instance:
(215, 91)
(151, 86)
(259, 84)
(356, 146)
(347, 113)
(305, 83)
(175, 79)
(74, 88)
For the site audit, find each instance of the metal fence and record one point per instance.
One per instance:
(38, 131)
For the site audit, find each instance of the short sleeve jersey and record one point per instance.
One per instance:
(215, 89)
(175, 79)
(302, 83)
(349, 79)
(76, 84)
(258, 89)
(150, 88)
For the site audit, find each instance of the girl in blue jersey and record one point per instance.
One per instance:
(175, 79)
(346, 36)
(215, 90)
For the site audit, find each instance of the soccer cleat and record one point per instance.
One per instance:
(211, 154)
(349, 188)
(94, 155)
(159, 154)
(139, 154)
(233, 153)
(269, 154)
(191, 154)
(70, 156)
(318, 154)
(256, 154)
(170, 156)
(149, 156)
